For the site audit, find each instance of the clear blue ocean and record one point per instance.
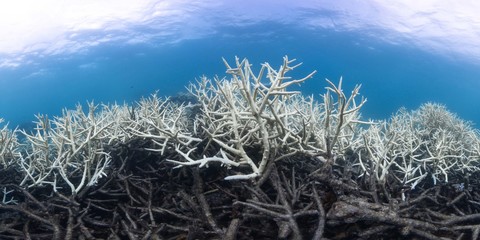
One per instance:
(123, 58)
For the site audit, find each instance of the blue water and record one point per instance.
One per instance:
(392, 75)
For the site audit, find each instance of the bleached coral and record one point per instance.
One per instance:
(430, 142)
(163, 122)
(251, 119)
(257, 110)
(247, 111)
(8, 145)
(67, 150)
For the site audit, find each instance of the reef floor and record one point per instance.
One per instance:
(144, 197)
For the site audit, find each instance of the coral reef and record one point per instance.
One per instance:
(8, 145)
(241, 157)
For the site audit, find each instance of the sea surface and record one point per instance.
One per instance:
(392, 74)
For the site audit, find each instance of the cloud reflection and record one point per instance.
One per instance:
(48, 27)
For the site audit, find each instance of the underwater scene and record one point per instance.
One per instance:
(161, 119)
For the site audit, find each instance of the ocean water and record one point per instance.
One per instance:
(392, 74)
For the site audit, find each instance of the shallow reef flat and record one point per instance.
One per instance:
(241, 157)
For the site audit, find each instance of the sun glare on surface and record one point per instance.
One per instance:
(29, 25)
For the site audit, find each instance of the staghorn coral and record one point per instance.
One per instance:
(245, 112)
(248, 111)
(430, 142)
(163, 122)
(8, 145)
(250, 119)
(257, 110)
(68, 149)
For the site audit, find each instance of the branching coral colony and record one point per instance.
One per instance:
(246, 111)
(413, 146)
(8, 146)
(250, 119)
(258, 111)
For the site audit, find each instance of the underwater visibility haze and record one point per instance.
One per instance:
(179, 119)
(54, 55)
